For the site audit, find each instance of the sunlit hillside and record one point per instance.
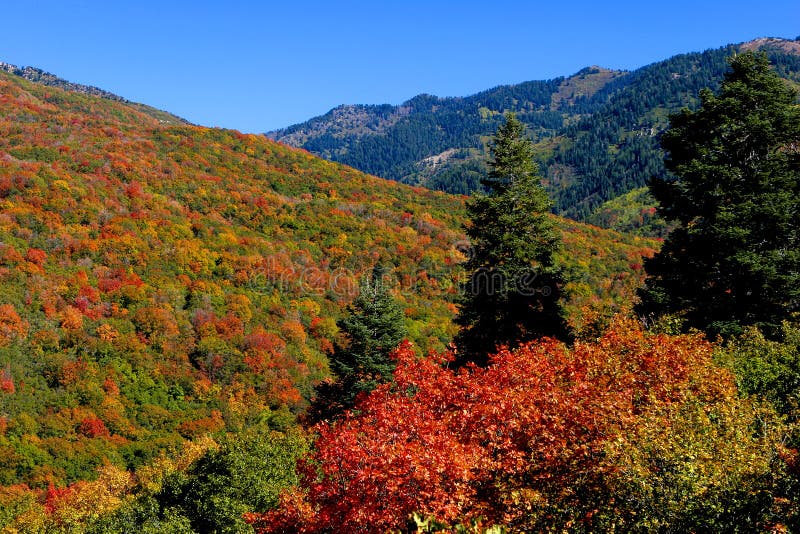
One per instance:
(159, 283)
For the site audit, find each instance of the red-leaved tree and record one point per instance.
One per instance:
(521, 442)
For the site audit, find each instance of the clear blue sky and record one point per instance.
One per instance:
(256, 66)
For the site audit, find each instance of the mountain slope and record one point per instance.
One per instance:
(597, 130)
(158, 282)
(45, 78)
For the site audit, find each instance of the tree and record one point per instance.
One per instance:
(734, 259)
(631, 432)
(373, 327)
(514, 289)
(247, 473)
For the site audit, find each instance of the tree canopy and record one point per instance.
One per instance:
(734, 259)
(373, 327)
(514, 288)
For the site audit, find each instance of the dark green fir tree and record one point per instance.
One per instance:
(734, 259)
(372, 328)
(513, 292)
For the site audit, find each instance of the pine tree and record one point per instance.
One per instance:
(373, 327)
(734, 259)
(514, 289)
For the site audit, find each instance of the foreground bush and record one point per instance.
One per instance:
(632, 432)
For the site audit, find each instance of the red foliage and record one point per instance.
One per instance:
(54, 496)
(6, 184)
(489, 443)
(6, 382)
(90, 294)
(116, 278)
(134, 190)
(36, 256)
(262, 341)
(92, 427)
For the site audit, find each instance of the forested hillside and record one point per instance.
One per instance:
(596, 131)
(161, 283)
(207, 331)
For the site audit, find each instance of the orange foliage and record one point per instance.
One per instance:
(11, 325)
(110, 387)
(294, 331)
(490, 444)
(155, 321)
(72, 372)
(107, 333)
(201, 427)
(71, 318)
(36, 256)
(230, 327)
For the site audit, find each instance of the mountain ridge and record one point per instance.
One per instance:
(596, 130)
(36, 75)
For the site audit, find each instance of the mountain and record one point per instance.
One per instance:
(160, 282)
(597, 130)
(45, 78)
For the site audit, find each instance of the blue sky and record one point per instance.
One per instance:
(256, 66)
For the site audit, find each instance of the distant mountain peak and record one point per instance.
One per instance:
(347, 119)
(785, 45)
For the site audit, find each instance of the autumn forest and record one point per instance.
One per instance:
(204, 331)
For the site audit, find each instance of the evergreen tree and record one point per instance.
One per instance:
(514, 289)
(373, 327)
(734, 259)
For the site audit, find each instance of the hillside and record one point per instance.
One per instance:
(162, 282)
(597, 130)
(45, 78)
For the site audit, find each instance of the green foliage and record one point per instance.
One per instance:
(766, 368)
(734, 259)
(514, 290)
(373, 327)
(425, 525)
(701, 465)
(246, 474)
(633, 212)
(142, 515)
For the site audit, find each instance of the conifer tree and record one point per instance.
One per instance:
(734, 259)
(514, 289)
(373, 327)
